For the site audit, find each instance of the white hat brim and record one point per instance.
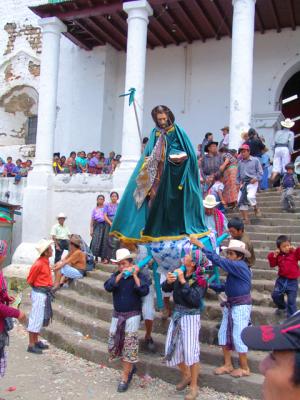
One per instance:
(287, 125)
(239, 249)
(131, 255)
(209, 205)
(45, 247)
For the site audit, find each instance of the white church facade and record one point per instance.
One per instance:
(64, 64)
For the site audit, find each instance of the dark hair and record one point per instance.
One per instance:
(296, 375)
(236, 223)
(241, 255)
(218, 175)
(19, 160)
(252, 132)
(9, 158)
(282, 239)
(289, 166)
(117, 194)
(72, 153)
(100, 195)
(145, 140)
(208, 134)
(130, 260)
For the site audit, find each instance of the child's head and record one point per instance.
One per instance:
(236, 228)
(236, 250)
(3, 251)
(283, 243)
(125, 264)
(219, 177)
(290, 169)
(44, 248)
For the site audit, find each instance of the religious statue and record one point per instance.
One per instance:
(163, 199)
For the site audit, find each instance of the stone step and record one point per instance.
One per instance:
(95, 351)
(93, 287)
(283, 229)
(257, 274)
(271, 218)
(98, 329)
(275, 202)
(271, 237)
(261, 295)
(102, 310)
(273, 195)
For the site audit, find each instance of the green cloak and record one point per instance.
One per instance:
(177, 209)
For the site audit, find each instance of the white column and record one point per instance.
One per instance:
(37, 200)
(51, 33)
(241, 69)
(138, 13)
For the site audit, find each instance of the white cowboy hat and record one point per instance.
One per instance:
(123, 254)
(43, 245)
(61, 215)
(210, 201)
(287, 123)
(237, 245)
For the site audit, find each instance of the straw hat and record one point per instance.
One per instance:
(75, 239)
(210, 201)
(287, 123)
(43, 245)
(123, 254)
(238, 245)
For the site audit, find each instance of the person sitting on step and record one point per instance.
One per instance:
(127, 293)
(286, 257)
(73, 266)
(236, 306)
(40, 280)
(182, 345)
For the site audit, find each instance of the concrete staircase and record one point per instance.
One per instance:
(82, 313)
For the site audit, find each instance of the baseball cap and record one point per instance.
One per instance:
(285, 336)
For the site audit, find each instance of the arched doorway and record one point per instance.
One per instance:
(290, 107)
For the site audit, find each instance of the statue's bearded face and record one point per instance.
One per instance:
(162, 120)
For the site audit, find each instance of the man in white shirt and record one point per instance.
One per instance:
(225, 141)
(283, 147)
(60, 234)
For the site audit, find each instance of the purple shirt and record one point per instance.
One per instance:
(110, 210)
(98, 214)
(9, 167)
(93, 162)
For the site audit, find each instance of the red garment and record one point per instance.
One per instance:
(40, 273)
(5, 310)
(287, 263)
(219, 221)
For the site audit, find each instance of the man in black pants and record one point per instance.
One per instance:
(60, 234)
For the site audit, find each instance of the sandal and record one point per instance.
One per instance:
(239, 373)
(223, 370)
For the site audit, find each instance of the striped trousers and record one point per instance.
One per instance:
(241, 316)
(188, 346)
(36, 316)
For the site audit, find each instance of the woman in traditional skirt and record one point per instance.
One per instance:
(111, 244)
(229, 169)
(5, 311)
(97, 228)
(182, 345)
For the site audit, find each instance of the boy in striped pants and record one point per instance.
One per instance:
(236, 307)
(40, 279)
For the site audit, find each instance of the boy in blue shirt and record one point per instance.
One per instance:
(237, 306)
(288, 183)
(127, 299)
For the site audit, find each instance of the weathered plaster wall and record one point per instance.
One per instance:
(20, 48)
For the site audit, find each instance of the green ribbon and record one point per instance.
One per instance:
(131, 94)
(5, 217)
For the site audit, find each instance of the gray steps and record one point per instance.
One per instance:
(283, 229)
(96, 351)
(98, 329)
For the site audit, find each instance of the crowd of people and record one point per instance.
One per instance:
(17, 170)
(234, 177)
(94, 162)
(229, 179)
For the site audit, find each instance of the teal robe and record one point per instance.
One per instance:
(177, 210)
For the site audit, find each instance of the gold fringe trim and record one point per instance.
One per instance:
(146, 239)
